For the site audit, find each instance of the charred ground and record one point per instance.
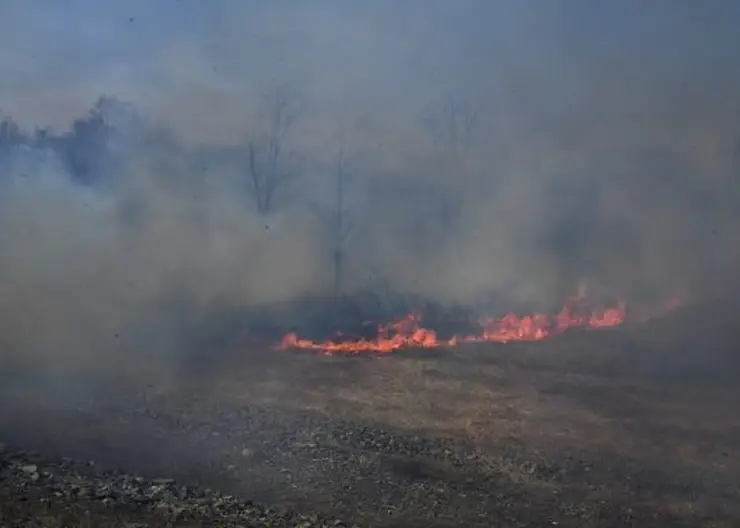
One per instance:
(632, 425)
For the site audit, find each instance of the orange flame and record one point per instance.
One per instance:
(408, 332)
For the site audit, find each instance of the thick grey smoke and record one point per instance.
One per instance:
(506, 147)
(88, 271)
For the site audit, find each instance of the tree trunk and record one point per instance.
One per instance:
(339, 233)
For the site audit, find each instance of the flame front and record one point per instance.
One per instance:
(406, 333)
(409, 333)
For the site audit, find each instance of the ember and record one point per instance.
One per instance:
(408, 332)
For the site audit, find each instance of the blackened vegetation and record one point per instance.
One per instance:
(360, 314)
(597, 429)
(355, 316)
(361, 469)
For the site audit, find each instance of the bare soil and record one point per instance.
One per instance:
(627, 427)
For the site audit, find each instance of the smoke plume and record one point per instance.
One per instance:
(511, 149)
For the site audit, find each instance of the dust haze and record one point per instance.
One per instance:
(507, 148)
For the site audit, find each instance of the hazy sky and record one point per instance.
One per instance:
(542, 59)
(620, 116)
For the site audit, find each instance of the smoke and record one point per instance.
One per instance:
(514, 149)
(95, 275)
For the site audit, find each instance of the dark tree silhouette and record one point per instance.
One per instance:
(450, 122)
(84, 147)
(269, 172)
(11, 135)
(341, 221)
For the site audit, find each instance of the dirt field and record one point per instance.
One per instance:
(625, 427)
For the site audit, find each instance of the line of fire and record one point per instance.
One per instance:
(410, 332)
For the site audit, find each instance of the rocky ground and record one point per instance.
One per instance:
(587, 430)
(39, 491)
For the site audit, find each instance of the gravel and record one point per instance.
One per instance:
(312, 468)
(42, 491)
(355, 471)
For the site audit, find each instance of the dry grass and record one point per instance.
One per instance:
(488, 401)
(615, 400)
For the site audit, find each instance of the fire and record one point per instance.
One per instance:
(409, 332)
(406, 333)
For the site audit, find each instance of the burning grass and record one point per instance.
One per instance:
(607, 428)
(408, 332)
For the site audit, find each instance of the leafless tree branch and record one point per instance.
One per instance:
(267, 174)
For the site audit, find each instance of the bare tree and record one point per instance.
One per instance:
(339, 215)
(342, 225)
(450, 121)
(268, 170)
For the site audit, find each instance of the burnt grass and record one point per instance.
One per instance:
(636, 426)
